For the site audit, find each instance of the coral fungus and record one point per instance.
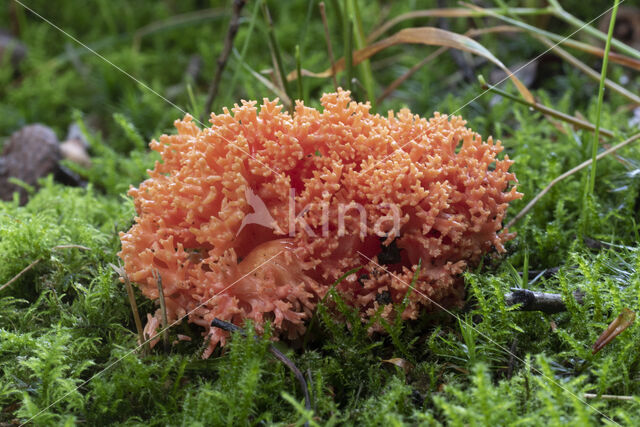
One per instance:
(256, 217)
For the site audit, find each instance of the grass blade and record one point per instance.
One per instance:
(176, 21)
(579, 123)
(592, 50)
(575, 62)
(365, 66)
(581, 166)
(348, 47)
(559, 12)
(603, 76)
(273, 88)
(299, 70)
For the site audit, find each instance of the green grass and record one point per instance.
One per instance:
(67, 320)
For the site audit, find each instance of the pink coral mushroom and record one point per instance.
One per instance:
(257, 216)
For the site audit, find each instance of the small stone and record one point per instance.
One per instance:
(30, 154)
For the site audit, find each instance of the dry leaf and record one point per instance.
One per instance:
(427, 36)
(622, 322)
(401, 363)
(75, 151)
(427, 13)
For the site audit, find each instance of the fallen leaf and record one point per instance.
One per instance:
(401, 363)
(427, 36)
(622, 322)
(427, 13)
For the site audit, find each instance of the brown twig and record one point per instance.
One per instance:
(134, 309)
(15, 21)
(230, 327)
(327, 37)
(33, 264)
(539, 301)
(234, 24)
(512, 358)
(582, 124)
(163, 309)
(17, 276)
(84, 248)
(608, 396)
(280, 77)
(313, 391)
(567, 174)
(546, 272)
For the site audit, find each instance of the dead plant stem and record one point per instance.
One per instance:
(234, 24)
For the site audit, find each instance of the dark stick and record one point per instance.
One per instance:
(234, 24)
(134, 309)
(327, 37)
(163, 309)
(15, 22)
(230, 327)
(539, 301)
(546, 272)
(512, 358)
(17, 276)
(313, 392)
(275, 52)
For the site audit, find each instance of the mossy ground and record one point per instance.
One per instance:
(66, 329)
